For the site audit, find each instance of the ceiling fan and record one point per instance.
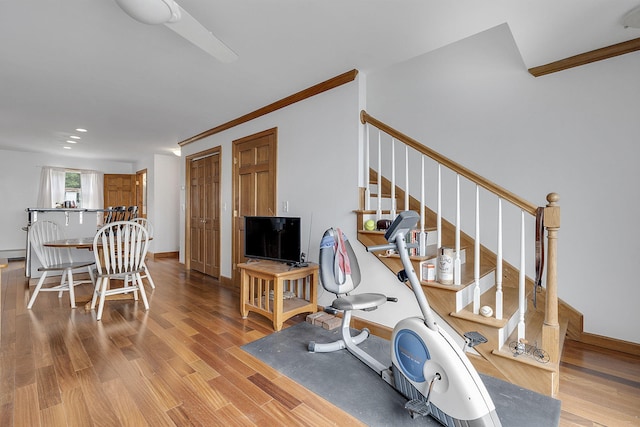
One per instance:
(169, 13)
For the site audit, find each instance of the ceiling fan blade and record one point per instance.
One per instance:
(192, 30)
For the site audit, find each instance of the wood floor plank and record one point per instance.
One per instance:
(25, 372)
(205, 371)
(47, 386)
(76, 408)
(102, 413)
(153, 396)
(210, 396)
(281, 415)
(192, 402)
(65, 374)
(180, 418)
(53, 416)
(6, 414)
(272, 389)
(123, 404)
(243, 401)
(26, 406)
(77, 354)
(229, 415)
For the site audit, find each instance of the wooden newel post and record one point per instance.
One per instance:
(551, 327)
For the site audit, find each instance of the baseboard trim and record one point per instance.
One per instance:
(159, 255)
(227, 282)
(610, 343)
(13, 254)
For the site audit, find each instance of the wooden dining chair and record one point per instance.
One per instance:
(149, 226)
(119, 213)
(119, 248)
(132, 213)
(55, 260)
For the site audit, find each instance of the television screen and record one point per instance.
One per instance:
(274, 238)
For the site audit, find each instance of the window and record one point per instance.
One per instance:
(82, 188)
(72, 188)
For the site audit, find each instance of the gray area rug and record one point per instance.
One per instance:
(352, 386)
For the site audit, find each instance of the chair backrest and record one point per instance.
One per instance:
(119, 213)
(41, 232)
(132, 213)
(339, 270)
(146, 224)
(120, 247)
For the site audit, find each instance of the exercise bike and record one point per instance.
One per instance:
(428, 368)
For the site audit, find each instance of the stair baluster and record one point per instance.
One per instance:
(499, 297)
(476, 257)
(522, 302)
(457, 265)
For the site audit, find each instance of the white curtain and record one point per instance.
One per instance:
(51, 187)
(91, 185)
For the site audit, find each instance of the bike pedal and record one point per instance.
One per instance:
(418, 407)
(474, 338)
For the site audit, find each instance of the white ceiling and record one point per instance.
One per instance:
(141, 89)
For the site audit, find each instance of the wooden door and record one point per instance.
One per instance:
(254, 185)
(204, 213)
(119, 190)
(141, 192)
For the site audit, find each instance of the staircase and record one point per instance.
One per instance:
(544, 325)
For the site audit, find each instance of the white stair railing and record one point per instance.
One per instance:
(550, 325)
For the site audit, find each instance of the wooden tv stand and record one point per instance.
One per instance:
(277, 290)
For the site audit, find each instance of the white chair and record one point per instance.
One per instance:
(146, 224)
(119, 248)
(55, 260)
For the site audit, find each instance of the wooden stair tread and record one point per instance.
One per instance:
(510, 305)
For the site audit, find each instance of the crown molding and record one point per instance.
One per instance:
(587, 57)
(334, 82)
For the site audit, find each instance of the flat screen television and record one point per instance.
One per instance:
(274, 238)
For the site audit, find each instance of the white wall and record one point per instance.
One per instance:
(163, 200)
(574, 132)
(164, 186)
(19, 184)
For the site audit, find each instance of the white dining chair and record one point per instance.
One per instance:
(55, 260)
(149, 226)
(119, 248)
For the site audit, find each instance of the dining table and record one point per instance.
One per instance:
(74, 243)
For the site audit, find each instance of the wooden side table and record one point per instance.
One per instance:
(277, 290)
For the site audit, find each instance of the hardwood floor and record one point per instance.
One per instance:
(181, 364)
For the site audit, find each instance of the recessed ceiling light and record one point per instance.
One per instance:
(66, 147)
(71, 142)
(74, 137)
(81, 130)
